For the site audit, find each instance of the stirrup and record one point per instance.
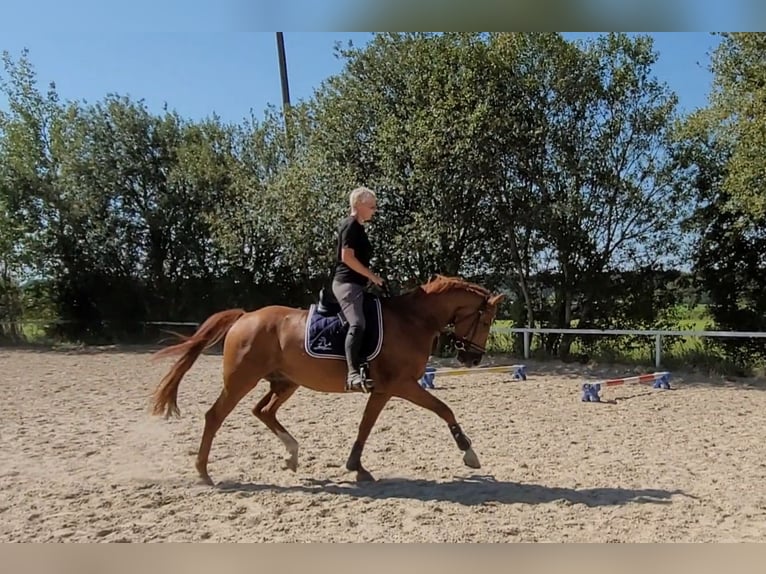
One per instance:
(359, 382)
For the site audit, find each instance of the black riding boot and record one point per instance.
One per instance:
(355, 380)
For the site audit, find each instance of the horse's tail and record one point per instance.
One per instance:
(208, 334)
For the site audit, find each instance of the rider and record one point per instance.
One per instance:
(352, 273)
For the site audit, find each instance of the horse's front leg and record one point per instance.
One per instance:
(417, 395)
(375, 404)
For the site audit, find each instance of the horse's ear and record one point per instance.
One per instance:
(495, 299)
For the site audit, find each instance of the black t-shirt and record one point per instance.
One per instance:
(351, 234)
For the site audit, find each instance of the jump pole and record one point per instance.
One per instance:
(659, 380)
(427, 381)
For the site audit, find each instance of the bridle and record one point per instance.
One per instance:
(466, 343)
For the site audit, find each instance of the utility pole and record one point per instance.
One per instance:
(283, 72)
(285, 88)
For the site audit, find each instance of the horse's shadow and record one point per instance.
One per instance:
(470, 491)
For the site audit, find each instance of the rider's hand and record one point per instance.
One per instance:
(374, 278)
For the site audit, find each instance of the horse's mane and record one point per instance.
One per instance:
(439, 284)
(443, 283)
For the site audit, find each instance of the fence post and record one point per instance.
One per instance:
(657, 350)
(527, 335)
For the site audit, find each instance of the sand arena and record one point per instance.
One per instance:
(83, 460)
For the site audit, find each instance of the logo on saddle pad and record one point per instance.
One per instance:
(326, 332)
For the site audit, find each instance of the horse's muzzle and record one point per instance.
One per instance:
(469, 358)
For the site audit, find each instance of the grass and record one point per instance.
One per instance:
(677, 351)
(688, 352)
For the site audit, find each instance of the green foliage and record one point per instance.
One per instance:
(738, 110)
(411, 117)
(125, 215)
(555, 171)
(719, 150)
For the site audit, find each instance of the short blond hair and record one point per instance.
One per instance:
(360, 195)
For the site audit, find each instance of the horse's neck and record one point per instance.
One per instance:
(437, 309)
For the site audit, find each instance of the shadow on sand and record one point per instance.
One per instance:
(471, 491)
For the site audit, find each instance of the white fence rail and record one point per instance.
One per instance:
(657, 334)
(528, 331)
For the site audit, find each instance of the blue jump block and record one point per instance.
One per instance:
(427, 381)
(590, 393)
(663, 382)
(520, 373)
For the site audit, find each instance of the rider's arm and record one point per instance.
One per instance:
(348, 257)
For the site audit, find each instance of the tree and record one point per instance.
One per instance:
(738, 115)
(588, 171)
(28, 169)
(410, 116)
(719, 149)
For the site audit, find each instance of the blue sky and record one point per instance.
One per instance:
(232, 73)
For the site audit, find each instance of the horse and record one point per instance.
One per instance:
(271, 343)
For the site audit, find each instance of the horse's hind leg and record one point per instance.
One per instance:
(236, 385)
(375, 405)
(266, 410)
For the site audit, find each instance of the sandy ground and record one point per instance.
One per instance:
(83, 460)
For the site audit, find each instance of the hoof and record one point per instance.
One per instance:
(470, 459)
(291, 464)
(206, 480)
(364, 476)
(204, 477)
(359, 388)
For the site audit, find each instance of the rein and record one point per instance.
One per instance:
(466, 343)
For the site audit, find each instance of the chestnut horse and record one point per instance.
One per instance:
(269, 344)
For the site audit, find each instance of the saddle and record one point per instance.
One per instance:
(328, 305)
(326, 327)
